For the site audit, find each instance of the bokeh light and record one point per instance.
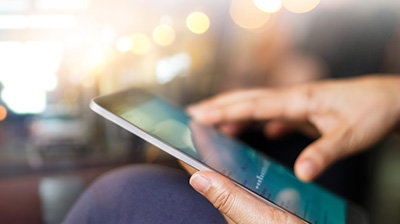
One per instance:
(270, 6)
(3, 113)
(38, 76)
(33, 102)
(95, 59)
(198, 22)
(164, 35)
(170, 67)
(124, 44)
(300, 6)
(140, 43)
(246, 15)
(38, 21)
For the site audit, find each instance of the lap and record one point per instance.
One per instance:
(143, 194)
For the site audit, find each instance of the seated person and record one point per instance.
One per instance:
(347, 115)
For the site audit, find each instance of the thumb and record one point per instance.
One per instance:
(235, 203)
(322, 153)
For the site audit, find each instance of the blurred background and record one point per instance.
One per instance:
(55, 55)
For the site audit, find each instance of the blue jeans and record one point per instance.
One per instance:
(143, 194)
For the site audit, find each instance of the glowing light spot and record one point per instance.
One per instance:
(140, 44)
(37, 76)
(31, 103)
(51, 21)
(198, 22)
(3, 113)
(300, 6)
(246, 15)
(39, 21)
(164, 35)
(94, 59)
(169, 68)
(270, 6)
(13, 22)
(124, 44)
(62, 5)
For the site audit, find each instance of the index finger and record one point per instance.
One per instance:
(259, 105)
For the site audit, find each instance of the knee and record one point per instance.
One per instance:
(123, 191)
(137, 177)
(136, 182)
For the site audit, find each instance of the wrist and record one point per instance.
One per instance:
(397, 94)
(392, 84)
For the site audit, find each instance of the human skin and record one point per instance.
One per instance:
(346, 115)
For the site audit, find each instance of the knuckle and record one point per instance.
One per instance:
(299, 103)
(346, 140)
(225, 201)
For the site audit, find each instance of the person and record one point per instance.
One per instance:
(347, 115)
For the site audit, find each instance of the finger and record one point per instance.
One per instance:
(235, 203)
(322, 153)
(278, 129)
(201, 111)
(226, 99)
(289, 104)
(233, 129)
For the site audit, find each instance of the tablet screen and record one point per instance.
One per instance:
(237, 161)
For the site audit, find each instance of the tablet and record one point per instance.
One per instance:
(166, 126)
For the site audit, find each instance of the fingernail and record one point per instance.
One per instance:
(308, 169)
(200, 183)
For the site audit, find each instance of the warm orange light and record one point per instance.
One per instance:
(198, 22)
(3, 113)
(164, 35)
(140, 43)
(247, 15)
(270, 6)
(300, 6)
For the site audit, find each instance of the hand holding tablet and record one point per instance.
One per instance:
(234, 164)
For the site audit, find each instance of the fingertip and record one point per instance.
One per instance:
(194, 109)
(208, 117)
(306, 170)
(201, 183)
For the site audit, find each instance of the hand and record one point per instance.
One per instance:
(237, 205)
(348, 115)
